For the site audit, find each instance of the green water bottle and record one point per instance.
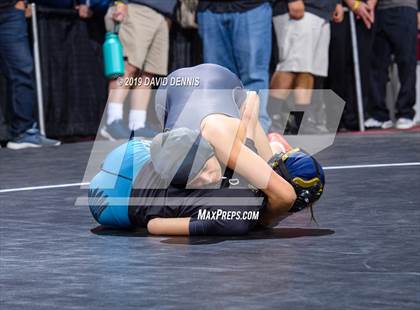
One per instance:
(113, 55)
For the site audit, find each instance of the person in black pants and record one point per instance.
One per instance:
(395, 34)
(341, 73)
(17, 66)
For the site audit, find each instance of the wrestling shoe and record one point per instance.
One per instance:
(117, 130)
(31, 138)
(372, 123)
(280, 143)
(404, 123)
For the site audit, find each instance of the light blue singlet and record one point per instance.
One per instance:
(110, 189)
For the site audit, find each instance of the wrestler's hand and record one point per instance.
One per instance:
(296, 9)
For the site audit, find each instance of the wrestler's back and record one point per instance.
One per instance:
(215, 89)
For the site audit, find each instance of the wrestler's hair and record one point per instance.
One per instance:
(311, 209)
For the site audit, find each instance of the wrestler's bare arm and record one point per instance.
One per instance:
(178, 226)
(221, 132)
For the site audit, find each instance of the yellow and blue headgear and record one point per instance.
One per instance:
(303, 172)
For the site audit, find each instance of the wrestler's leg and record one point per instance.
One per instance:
(254, 131)
(266, 146)
(262, 143)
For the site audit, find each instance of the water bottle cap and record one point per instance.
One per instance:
(110, 35)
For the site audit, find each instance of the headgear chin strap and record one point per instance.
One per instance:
(307, 191)
(182, 175)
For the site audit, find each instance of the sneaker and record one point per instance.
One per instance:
(145, 132)
(372, 123)
(312, 127)
(404, 123)
(31, 138)
(277, 123)
(117, 130)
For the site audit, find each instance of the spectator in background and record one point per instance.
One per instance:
(59, 4)
(17, 66)
(303, 37)
(144, 35)
(395, 33)
(341, 74)
(85, 8)
(237, 35)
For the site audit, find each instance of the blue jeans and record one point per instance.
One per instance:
(395, 33)
(241, 42)
(17, 66)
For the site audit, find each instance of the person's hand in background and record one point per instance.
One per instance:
(338, 14)
(120, 12)
(28, 12)
(169, 22)
(371, 5)
(363, 11)
(21, 5)
(418, 21)
(84, 11)
(296, 9)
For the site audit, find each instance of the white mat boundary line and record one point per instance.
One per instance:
(32, 188)
(372, 166)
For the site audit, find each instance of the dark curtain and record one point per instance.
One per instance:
(185, 48)
(75, 89)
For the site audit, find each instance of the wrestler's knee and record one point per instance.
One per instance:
(216, 125)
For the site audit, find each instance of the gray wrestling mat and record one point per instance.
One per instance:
(363, 254)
